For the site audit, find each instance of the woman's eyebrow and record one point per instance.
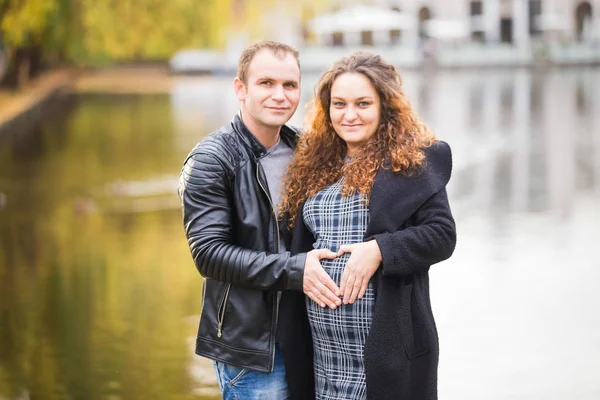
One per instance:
(358, 98)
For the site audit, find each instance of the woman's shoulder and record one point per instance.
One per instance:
(439, 151)
(438, 161)
(402, 192)
(435, 172)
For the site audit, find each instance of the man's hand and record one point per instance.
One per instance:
(361, 266)
(317, 284)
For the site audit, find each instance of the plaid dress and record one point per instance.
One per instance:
(338, 335)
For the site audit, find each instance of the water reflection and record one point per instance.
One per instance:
(99, 297)
(95, 292)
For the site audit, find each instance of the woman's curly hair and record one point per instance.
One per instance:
(319, 158)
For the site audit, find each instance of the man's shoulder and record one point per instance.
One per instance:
(212, 158)
(221, 144)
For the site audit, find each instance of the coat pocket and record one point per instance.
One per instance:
(413, 328)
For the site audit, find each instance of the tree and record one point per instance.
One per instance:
(22, 25)
(34, 32)
(133, 30)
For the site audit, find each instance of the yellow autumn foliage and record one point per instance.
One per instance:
(151, 29)
(103, 31)
(24, 21)
(114, 30)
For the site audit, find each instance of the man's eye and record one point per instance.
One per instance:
(265, 83)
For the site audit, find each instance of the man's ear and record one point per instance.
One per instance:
(240, 89)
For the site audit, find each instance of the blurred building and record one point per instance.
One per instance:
(456, 33)
(410, 33)
(517, 22)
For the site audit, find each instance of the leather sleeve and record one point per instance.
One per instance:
(205, 195)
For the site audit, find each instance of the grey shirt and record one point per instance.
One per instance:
(274, 163)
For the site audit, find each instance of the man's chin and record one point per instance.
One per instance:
(277, 121)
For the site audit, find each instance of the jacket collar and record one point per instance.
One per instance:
(288, 135)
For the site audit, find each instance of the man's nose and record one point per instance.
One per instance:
(278, 93)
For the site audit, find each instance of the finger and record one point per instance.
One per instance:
(330, 284)
(348, 276)
(326, 253)
(332, 300)
(348, 289)
(346, 248)
(343, 282)
(314, 297)
(363, 288)
(329, 297)
(325, 294)
(325, 299)
(311, 290)
(355, 290)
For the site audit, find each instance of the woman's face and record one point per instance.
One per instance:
(355, 109)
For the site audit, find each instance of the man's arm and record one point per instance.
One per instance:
(207, 221)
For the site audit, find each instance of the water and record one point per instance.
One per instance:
(99, 297)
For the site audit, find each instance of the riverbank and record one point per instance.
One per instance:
(24, 107)
(19, 108)
(130, 80)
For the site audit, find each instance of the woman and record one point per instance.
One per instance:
(367, 181)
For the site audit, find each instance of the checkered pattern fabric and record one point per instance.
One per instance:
(338, 335)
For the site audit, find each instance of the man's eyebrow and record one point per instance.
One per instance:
(267, 78)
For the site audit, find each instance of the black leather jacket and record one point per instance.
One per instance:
(234, 239)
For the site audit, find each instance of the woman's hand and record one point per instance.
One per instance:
(361, 266)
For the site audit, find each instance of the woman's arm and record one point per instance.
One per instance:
(430, 240)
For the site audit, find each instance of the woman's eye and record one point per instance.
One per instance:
(363, 104)
(338, 104)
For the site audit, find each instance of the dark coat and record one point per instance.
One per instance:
(411, 221)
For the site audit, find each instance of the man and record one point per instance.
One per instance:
(230, 187)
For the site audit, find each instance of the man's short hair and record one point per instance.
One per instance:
(279, 49)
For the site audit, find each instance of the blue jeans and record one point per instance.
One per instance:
(245, 384)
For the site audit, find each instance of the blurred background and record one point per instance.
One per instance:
(101, 101)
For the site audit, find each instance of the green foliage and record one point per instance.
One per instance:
(149, 29)
(23, 22)
(97, 31)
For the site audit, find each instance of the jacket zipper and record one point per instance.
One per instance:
(221, 313)
(278, 242)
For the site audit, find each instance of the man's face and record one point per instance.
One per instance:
(272, 92)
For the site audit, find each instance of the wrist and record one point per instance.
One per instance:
(376, 250)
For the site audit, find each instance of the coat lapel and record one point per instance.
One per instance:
(395, 197)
